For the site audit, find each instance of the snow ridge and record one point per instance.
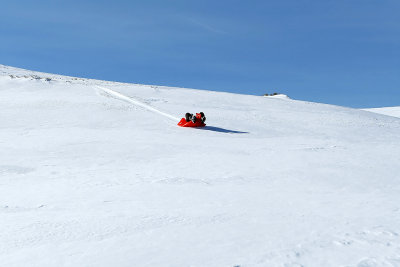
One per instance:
(389, 111)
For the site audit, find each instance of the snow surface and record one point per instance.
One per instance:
(88, 178)
(389, 111)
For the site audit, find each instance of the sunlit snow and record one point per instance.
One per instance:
(90, 179)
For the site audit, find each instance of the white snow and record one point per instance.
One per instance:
(137, 103)
(389, 111)
(88, 178)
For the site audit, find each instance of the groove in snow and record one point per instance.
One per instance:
(136, 102)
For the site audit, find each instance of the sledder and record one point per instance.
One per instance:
(191, 120)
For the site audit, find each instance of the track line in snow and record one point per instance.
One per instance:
(136, 102)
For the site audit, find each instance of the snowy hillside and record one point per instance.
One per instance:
(94, 177)
(389, 111)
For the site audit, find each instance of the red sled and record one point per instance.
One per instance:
(191, 120)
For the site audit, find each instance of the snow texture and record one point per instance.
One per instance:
(389, 111)
(97, 173)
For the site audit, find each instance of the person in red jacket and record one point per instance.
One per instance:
(191, 120)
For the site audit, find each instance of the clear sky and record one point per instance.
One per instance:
(344, 52)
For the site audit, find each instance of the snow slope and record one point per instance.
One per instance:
(88, 178)
(389, 111)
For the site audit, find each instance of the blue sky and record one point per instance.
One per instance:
(344, 52)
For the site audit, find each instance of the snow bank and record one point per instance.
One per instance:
(389, 111)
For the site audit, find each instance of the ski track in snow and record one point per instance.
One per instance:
(136, 103)
(88, 180)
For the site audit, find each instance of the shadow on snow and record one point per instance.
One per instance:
(221, 130)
